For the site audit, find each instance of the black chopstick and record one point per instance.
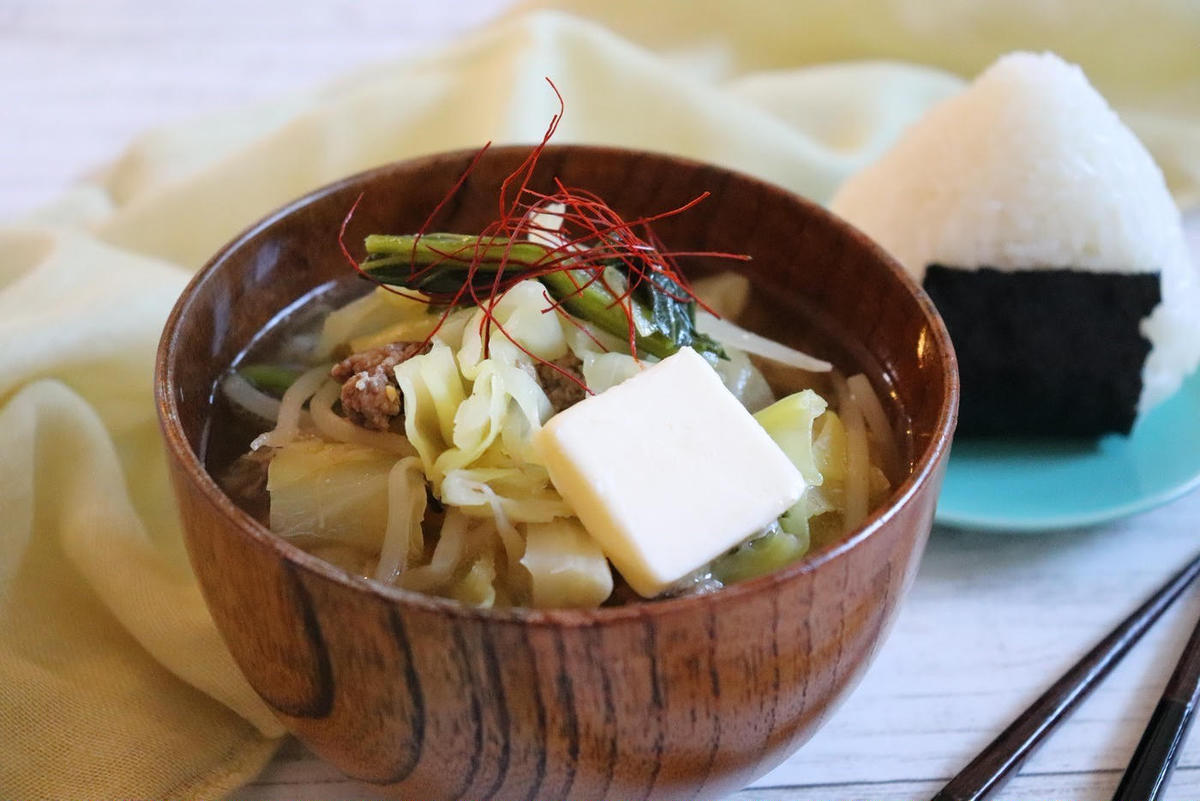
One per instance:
(1004, 755)
(1154, 758)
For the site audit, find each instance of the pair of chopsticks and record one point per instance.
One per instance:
(1155, 756)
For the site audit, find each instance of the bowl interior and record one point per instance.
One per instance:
(817, 283)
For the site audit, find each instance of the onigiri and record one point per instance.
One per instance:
(1044, 232)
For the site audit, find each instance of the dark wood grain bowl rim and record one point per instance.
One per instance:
(236, 517)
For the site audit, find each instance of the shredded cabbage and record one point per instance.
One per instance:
(744, 380)
(499, 533)
(358, 317)
(330, 490)
(568, 568)
(602, 371)
(522, 494)
(433, 393)
(526, 330)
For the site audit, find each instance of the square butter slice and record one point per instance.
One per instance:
(667, 470)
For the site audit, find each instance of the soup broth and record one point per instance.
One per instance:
(291, 343)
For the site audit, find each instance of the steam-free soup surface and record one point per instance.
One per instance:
(420, 474)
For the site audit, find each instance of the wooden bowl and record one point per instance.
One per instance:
(678, 699)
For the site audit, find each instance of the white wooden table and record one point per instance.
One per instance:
(991, 620)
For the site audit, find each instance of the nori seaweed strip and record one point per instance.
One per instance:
(1046, 352)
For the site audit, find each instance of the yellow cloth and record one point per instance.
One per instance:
(113, 681)
(1144, 57)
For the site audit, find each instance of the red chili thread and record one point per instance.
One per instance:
(589, 227)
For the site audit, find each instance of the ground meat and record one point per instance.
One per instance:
(562, 391)
(371, 399)
(370, 396)
(384, 357)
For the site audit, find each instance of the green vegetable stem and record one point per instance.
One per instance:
(272, 379)
(663, 319)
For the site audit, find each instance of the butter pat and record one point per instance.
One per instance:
(667, 471)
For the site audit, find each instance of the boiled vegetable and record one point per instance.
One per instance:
(273, 379)
(662, 316)
(567, 566)
(330, 490)
(761, 555)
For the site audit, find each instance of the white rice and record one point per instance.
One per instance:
(1029, 168)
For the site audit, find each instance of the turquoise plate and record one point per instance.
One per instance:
(1036, 485)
